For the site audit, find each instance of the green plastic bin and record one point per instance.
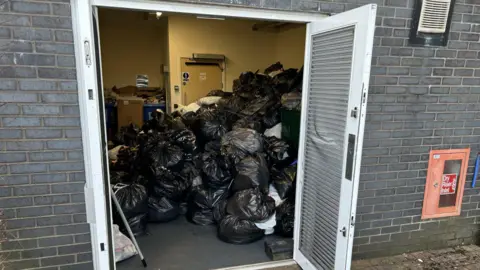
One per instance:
(290, 126)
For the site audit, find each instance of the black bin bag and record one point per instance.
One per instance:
(133, 201)
(216, 170)
(278, 151)
(249, 122)
(162, 209)
(189, 118)
(201, 203)
(232, 104)
(237, 231)
(170, 185)
(159, 153)
(220, 211)
(251, 204)
(216, 93)
(271, 117)
(189, 174)
(252, 172)
(241, 142)
(285, 216)
(185, 139)
(138, 225)
(284, 180)
(214, 128)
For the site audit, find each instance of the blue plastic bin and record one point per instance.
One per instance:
(110, 114)
(110, 119)
(149, 108)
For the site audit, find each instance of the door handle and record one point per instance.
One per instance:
(350, 156)
(344, 231)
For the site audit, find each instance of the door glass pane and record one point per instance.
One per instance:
(448, 191)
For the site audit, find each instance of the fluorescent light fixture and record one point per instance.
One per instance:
(211, 18)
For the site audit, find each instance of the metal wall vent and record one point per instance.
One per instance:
(434, 16)
(431, 21)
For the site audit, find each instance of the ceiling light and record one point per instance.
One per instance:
(211, 18)
(158, 14)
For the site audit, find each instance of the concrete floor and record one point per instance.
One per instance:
(180, 245)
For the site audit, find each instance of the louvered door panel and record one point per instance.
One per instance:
(338, 52)
(328, 93)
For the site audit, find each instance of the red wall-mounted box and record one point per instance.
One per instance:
(447, 170)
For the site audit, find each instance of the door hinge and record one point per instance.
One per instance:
(352, 221)
(88, 55)
(344, 231)
(102, 246)
(364, 95)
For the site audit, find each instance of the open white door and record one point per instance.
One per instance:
(336, 76)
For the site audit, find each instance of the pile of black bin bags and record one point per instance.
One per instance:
(214, 165)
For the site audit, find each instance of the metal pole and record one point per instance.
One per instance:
(475, 172)
(124, 219)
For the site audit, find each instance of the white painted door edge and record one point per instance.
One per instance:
(95, 201)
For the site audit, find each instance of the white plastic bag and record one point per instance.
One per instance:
(192, 107)
(113, 153)
(275, 131)
(275, 73)
(209, 100)
(124, 247)
(267, 225)
(273, 193)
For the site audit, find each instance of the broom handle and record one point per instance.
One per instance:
(130, 233)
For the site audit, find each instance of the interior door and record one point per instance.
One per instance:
(336, 76)
(199, 78)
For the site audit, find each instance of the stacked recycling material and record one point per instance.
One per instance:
(218, 160)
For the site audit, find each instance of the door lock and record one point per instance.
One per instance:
(435, 185)
(354, 112)
(344, 231)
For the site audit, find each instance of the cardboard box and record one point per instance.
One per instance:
(135, 91)
(126, 91)
(129, 110)
(147, 92)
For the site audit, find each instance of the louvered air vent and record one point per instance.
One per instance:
(434, 16)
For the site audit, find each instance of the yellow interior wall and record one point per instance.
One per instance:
(290, 47)
(244, 49)
(131, 45)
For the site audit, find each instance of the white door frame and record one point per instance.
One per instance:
(95, 197)
(87, 92)
(211, 10)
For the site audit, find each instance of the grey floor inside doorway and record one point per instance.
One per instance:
(180, 245)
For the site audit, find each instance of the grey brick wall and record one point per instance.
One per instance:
(420, 99)
(41, 163)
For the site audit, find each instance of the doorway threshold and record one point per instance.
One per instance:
(278, 265)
